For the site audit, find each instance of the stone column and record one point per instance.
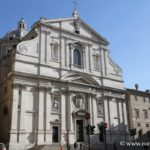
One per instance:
(106, 110)
(102, 61)
(95, 113)
(41, 117)
(91, 64)
(90, 108)
(87, 58)
(66, 48)
(70, 56)
(125, 113)
(42, 46)
(23, 97)
(84, 59)
(118, 112)
(63, 119)
(70, 119)
(62, 52)
(48, 116)
(48, 47)
(13, 132)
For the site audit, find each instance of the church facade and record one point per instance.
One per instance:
(59, 71)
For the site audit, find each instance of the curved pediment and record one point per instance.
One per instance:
(80, 78)
(79, 113)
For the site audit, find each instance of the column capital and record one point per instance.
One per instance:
(19, 86)
(44, 88)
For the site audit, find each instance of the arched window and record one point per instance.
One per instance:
(77, 57)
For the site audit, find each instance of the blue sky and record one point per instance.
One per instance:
(125, 23)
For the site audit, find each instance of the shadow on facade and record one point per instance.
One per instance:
(118, 138)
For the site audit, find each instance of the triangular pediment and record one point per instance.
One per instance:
(67, 24)
(80, 79)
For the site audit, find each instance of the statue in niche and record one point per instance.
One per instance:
(100, 108)
(55, 103)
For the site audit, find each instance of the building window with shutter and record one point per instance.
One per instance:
(145, 114)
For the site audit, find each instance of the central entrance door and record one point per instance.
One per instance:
(55, 134)
(79, 131)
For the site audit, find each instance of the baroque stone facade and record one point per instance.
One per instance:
(58, 72)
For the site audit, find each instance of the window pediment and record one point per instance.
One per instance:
(78, 44)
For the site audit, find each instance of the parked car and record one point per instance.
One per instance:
(2, 146)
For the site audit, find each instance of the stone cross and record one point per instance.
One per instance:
(75, 4)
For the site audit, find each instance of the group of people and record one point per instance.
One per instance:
(75, 145)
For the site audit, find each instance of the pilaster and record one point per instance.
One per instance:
(14, 119)
(90, 108)
(22, 115)
(48, 116)
(48, 47)
(63, 118)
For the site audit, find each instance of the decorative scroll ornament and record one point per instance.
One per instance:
(22, 49)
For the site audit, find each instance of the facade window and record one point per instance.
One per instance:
(96, 59)
(145, 114)
(138, 124)
(55, 52)
(147, 125)
(137, 114)
(77, 31)
(77, 57)
(140, 132)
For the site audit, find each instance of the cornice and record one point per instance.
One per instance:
(73, 34)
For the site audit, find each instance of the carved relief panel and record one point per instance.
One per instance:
(100, 107)
(78, 101)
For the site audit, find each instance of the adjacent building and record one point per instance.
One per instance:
(50, 77)
(138, 105)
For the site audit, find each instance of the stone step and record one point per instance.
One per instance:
(111, 147)
(48, 147)
(93, 147)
